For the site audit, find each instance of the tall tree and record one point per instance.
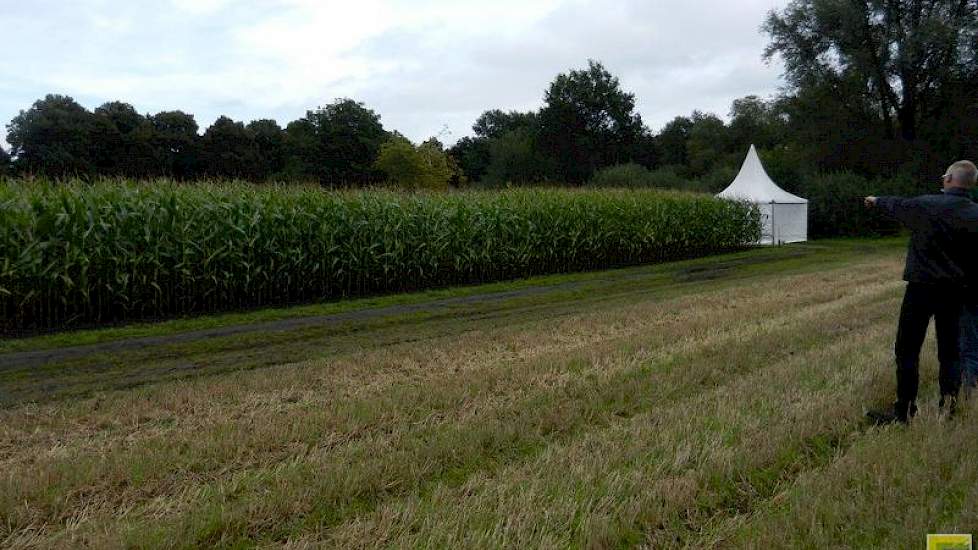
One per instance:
(439, 168)
(270, 139)
(954, 131)
(53, 137)
(401, 163)
(707, 144)
(5, 167)
(588, 122)
(176, 143)
(472, 157)
(494, 123)
(301, 151)
(835, 128)
(754, 121)
(671, 142)
(349, 136)
(228, 150)
(408, 167)
(122, 141)
(903, 52)
(517, 157)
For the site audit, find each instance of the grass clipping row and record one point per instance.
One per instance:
(80, 254)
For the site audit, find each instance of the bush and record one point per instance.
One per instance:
(786, 166)
(621, 175)
(836, 209)
(636, 176)
(5, 166)
(73, 253)
(515, 158)
(411, 168)
(716, 180)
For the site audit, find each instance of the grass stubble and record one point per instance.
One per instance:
(721, 418)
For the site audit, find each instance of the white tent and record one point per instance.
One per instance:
(784, 216)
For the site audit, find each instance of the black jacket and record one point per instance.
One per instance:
(944, 241)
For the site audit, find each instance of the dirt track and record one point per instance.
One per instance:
(54, 355)
(717, 269)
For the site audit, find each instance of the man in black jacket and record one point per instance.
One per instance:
(940, 272)
(969, 336)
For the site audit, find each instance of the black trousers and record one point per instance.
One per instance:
(920, 303)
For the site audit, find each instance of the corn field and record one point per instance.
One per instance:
(74, 254)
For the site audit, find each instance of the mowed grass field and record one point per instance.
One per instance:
(712, 403)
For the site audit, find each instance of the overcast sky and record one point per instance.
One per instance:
(428, 67)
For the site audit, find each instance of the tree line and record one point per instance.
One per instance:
(333, 144)
(877, 88)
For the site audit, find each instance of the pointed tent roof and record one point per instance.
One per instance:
(754, 185)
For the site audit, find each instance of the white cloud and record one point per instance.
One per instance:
(200, 7)
(108, 23)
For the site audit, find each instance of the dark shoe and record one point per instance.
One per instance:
(949, 405)
(900, 413)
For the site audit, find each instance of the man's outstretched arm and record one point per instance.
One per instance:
(909, 212)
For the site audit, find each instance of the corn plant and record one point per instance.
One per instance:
(85, 254)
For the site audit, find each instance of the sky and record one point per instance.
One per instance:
(428, 67)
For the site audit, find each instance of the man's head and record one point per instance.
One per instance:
(961, 174)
